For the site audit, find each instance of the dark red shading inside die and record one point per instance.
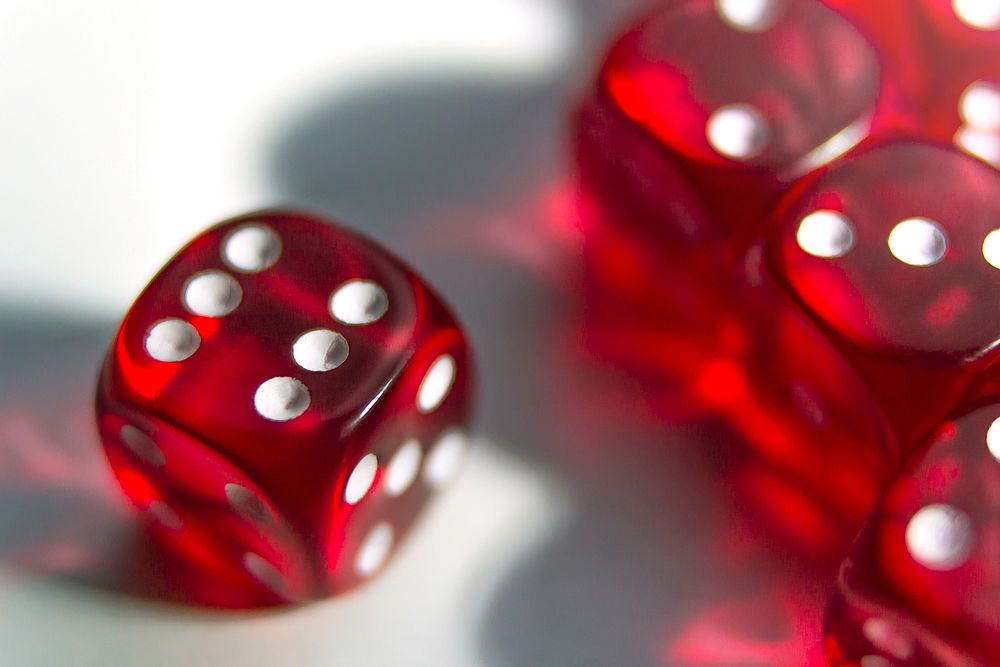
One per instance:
(281, 401)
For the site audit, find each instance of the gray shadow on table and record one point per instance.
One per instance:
(61, 513)
(56, 513)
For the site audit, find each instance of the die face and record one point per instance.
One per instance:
(893, 28)
(810, 449)
(926, 566)
(746, 85)
(207, 512)
(254, 374)
(398, 462)
(892, 252)
(629, 182)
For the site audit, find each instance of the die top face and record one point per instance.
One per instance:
(932, 549)
(773, 84)
(272, 327)
(895, 250)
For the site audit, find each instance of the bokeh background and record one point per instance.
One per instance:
(582, 534)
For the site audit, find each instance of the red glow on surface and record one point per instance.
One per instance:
(647, 96)
(777, 629)
(794, 510)
(721, 382)
(137, 487)
(949, 305)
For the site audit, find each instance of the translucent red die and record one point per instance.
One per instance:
(744, 96)
(938, 59)
(896, 254)
(281, 400)
(805, 445)
(922, 586)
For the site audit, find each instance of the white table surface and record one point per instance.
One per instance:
(577, 537)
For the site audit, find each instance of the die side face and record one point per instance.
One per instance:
(893, 252)
(746, 85)
(209, 514)
(806, 450)
(817, 452)
(632, 183)
(400, 462)
(264, 382)
(923, 584)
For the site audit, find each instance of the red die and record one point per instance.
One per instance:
(281, 400)
(745, 96)
(961, 101)
(896, 253)
(940, 57)
(923, 584)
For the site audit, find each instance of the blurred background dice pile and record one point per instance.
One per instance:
(792, 224)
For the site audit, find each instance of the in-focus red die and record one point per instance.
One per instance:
(281, 400)
(923, 584)
(745, 96)
(895, 254)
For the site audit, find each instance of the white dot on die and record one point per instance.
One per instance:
(251, 248)
(748, 15)
(983, 144)
(403, 468)
(212, 294)
(979, 14)
(826, 234)
(361, 479)
(172, 340)
(436, 384)
(918, 242)
(993, 439)
(320, 350)
(163, 513)
(940, 537)
(374, 550)
(265, 573)
(142, 446)
(888, 637)
(247, 503)
(359, 302)
(979, 106)
(281, 399)
(737, 131)
(874, 661)
(445, 458)
(991, 248)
